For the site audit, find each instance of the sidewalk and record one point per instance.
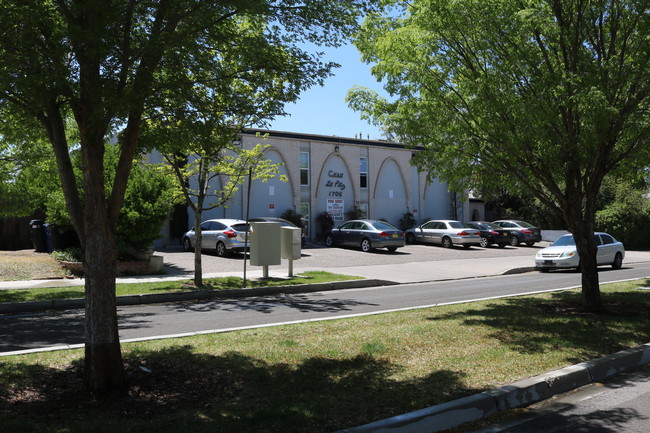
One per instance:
(415, 272)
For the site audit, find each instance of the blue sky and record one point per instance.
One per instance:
(323, 110)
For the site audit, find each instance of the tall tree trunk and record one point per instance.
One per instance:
(583, 233)
(103, 359)
(198, 243)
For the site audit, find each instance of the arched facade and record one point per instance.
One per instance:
(334, 188)
(336, 175)
(390, 197)
(273, 197)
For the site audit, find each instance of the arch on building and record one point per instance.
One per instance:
(273, 197)
(390, 194)
(335, 191)
(435, 201)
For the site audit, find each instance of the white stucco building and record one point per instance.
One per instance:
(336, 175)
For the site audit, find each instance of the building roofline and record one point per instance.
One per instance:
(326, 138)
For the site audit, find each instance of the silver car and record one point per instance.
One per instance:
(225, 236)
(563, 254)
(444, 232)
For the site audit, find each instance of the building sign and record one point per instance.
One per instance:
(336, 208)
(335, 184)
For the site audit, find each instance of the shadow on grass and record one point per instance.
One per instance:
(177, 390)
(541, 325)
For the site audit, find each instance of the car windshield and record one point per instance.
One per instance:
(379, 225)
(564, 241)
(525, 225)
(491, 226)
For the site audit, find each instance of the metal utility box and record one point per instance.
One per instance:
(291, 239)
(265, 244)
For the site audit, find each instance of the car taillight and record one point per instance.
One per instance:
(384, 235)
(493, 233)
(464, 233)
(527, 231)
(230, 234)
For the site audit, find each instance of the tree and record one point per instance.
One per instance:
(27, 172)
(148, 201)
(103, 63)
(199, 166)
(544, 97)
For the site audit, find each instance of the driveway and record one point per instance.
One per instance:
(413, 263)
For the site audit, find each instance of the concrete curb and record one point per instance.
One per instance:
(519, 394)
(158, 298)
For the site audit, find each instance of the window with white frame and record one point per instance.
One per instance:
(304, 168)
(363, 172)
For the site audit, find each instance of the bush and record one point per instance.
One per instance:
(293, 216)
(355, 214)
(407, 221)
(326, 222)
(626, 216)
(148, 202)
(68, 255)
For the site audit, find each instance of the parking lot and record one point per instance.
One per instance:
(320, 257)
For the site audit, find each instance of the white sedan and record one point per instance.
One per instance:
(563, 253)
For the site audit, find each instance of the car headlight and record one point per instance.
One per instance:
(538, 255)
(568, 254)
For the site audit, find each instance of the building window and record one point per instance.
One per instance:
(363, 172)
(304, 168)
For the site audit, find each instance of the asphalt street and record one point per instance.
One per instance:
(53, 328)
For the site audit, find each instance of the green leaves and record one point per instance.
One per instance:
(499, 92)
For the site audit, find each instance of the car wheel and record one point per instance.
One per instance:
(447, 243)
(391, 249)
(366, 245)
(221, 249)
(618, 261)
(530, 244)
(329, 241)
(410, 238)
(187, 244)
(484, 242)
(514, 241)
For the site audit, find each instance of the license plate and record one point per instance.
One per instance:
(548, 262)
(395, 235)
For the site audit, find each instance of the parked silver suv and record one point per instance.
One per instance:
(223, 235)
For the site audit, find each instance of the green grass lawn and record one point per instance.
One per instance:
(323, 376)
(224, 283)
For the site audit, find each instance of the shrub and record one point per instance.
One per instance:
(293, 216)
(325, 221)
(407, 221)
(68, 255)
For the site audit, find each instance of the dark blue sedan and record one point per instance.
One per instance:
(367, 234)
